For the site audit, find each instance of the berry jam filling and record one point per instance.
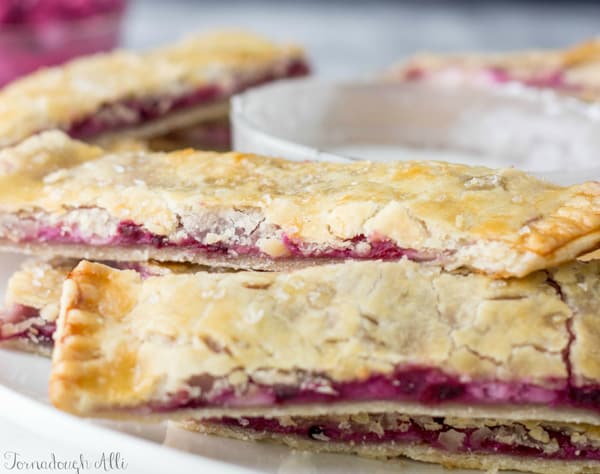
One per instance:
(512, 439)
(133, 112)
(547, 80)
(425, 385)
(495, 75)
(359, 248)
(24, 323)
(130, 234)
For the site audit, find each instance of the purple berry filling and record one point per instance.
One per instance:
(498, 75)
(469, 440)
(129, 234)
(140, 111)
(37, 331)
(377, 250)
(426, 385)
(429, 386)
(549, 80)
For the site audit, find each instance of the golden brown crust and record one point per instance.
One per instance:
(38, 284)
(501, 222)
(394, 451)
(580, 285)
(55, 97)
(573, 71)
(123, 342)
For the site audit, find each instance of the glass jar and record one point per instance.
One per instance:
(37, 33)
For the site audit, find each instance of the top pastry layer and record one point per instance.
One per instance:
(573, 71)
(165, 342)
(501, 222)
(55, 97)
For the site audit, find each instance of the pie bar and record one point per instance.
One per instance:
(28, 320)
(486, 444)
(144, 94)
(573, 71)
(249, 350)
(62, 197)
(527, 344)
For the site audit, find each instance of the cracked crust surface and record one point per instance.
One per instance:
(395, 451)
(38, 283)
(573, 71)
(123, 342)
(55, 97)
(501, 222)
(580, 285)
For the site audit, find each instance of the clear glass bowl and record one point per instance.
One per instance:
(554, 137)
(29, 43)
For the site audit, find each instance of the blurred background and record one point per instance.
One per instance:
(357, 37)
(345, 38)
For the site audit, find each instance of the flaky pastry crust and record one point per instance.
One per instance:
(397, 451)
(501, 222)
(573, 71)
(124, 343)
(58, 96)
(38, 283)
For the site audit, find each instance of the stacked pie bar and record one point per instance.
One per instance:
(573, 71)
(174, 94)
(419, 309)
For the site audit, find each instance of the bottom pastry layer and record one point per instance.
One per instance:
(534, 446)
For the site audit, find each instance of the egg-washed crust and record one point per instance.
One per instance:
(127, 347)
(573, 71)
(38, 284)
(398, 451)
(31, 305)
(249, 211)
(580, 287)
(60, 96)
(33, 296)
